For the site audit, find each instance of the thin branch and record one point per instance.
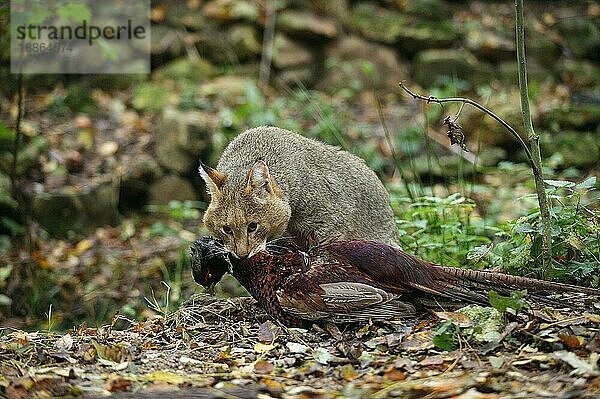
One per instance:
(388, 138)
(18, 134)
(267, 50)
(432, 99)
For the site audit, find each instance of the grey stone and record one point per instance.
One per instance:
(377, 23)
(431, 65)
(490, 45)
(231, 10)
(578, 74)
(582, 36)
(367, 64)
(195, 71)
(306, 24)
(181, 137)
(169, 188)
(76, 209)
(244, 40)
(289, 53)
(229, 90)
(578, 149)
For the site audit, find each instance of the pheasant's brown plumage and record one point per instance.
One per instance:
(356, 280)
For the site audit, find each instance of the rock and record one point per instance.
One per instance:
(195, 71)
(152, 97)
(426, 36)
(142, 170)
(432, 10)
(508, 73)
(231, 10)
(490, 45)
(582, 36)
(339, 10)
(306, 25)
(377, 23)
(228, 89)
(303, 76)
(165, 40)
(169, 188)
(180, 139)
(75, 209)
(180, 16)
(540, 46)
(578, 74)
(578, 149)
(228, 46)
(244, 41)
(365, 63)
(580, 116)
(288, 53)
(480, 128)
(430, 66)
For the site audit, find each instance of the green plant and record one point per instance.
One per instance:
(575, 230)
(447, 335)
(441, 230)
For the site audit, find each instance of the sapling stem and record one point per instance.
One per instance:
(533, 153)
(534, 141)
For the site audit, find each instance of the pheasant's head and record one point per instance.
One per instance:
(210, 261)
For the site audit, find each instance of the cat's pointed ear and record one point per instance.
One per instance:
(259, 180)
(213, 179)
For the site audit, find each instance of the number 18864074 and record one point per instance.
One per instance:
(45, 47)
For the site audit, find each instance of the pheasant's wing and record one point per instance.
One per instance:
(344, 301)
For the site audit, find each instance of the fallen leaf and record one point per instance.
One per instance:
(263, 348)
(64, 343)
(321, 355)
(165, 376)
(263, 367)
(393, 374)
(295, 347)
(594, 318)
(418, 341)
(581, 366)
(496, 361)
(82, 246)
(118, 384)
(461, 319)
(572, 341)
(348, 372)
(432, 361)
(267, 331)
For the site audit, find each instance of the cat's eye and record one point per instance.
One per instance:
(227, 230)
(252, 227)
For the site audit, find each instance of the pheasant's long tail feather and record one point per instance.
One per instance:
(516, 282)
(474, 286)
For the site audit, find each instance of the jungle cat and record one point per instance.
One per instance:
(271, 182)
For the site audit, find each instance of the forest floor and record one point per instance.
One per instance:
(227, 348)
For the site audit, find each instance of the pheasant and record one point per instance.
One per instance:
(355, 280)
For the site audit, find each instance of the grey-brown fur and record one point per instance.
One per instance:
(317, 191)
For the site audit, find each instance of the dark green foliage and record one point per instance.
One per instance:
(446, 336)
(515, 301)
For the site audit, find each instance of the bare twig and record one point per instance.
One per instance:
(18, 134)
(388, 138)
(432, 99)
(267, 50)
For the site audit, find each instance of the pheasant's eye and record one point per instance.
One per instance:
(227, 230)
(252, 227)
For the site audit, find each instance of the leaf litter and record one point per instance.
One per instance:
(213, 347)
